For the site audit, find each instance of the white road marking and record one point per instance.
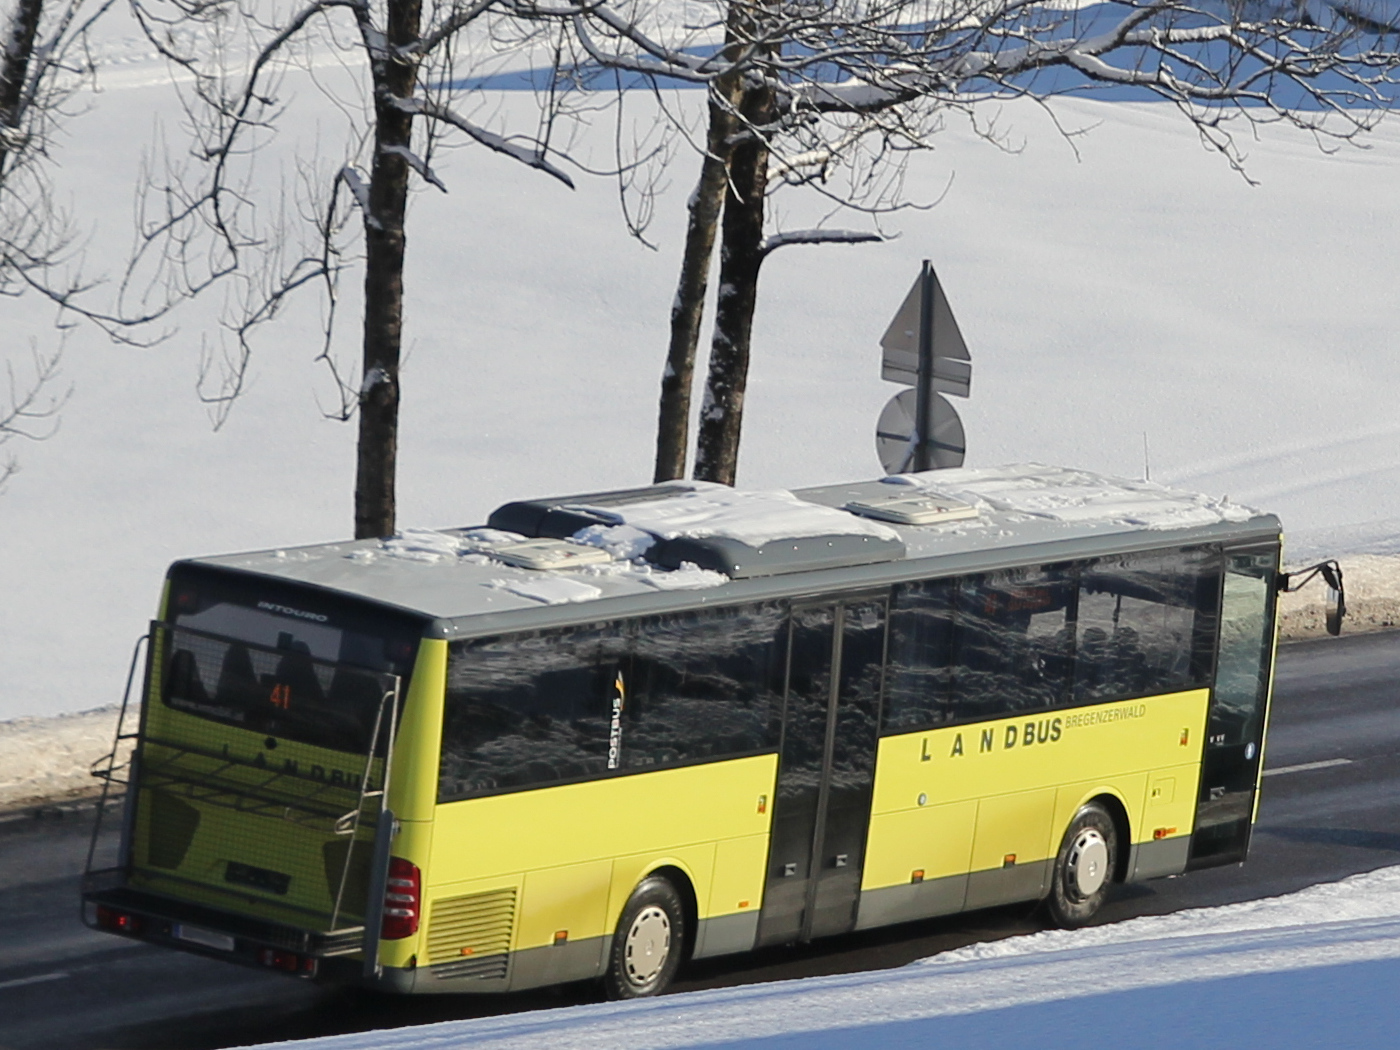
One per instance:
(1328, 764)
(20, 982)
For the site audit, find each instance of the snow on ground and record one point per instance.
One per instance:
(1317, 968)
(1133, 307)
(47, 760)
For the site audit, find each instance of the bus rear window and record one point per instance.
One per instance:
(297, 667)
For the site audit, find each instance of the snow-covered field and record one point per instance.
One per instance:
(1315, 969)
(1136, 288)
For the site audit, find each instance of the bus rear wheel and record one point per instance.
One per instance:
(1083, 868)
(649, 942)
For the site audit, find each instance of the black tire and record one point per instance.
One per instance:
(649, 942)
(1084, 867)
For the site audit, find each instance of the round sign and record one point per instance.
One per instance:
(894, 433)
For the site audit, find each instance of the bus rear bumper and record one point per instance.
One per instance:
(112, 907)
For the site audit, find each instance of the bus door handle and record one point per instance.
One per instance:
(789, 869)
(840, 860)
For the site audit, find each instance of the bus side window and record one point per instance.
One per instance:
(1014, 649)
(705, 684)
(1138, 624)
(919, 681)
(528, 710)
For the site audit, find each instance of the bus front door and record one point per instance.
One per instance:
(1238, 709)
(826, 770)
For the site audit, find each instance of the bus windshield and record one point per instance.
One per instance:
(291, 664)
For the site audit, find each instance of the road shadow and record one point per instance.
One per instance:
(1349, 837)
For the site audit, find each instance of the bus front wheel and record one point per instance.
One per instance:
(649, 942)
(1083, 868)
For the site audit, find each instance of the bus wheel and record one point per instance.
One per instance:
(1083, 868)
(650, 938)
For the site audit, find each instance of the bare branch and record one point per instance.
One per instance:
(532, 156)
(782, 240)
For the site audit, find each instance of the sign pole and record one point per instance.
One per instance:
(923, 422)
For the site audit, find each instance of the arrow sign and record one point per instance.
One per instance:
(952, 367)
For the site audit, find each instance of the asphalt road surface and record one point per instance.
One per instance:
(1331, 808)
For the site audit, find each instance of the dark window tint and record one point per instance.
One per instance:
(1139, 620)
(282, 691)
(704, 684)
(277, 659)
(1014, 644)
(531, 709)
(998, 644)
(919, 680)
(1246, 642)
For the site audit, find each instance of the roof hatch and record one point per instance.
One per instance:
(741, 534)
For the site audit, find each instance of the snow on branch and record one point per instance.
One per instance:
(415, 162)
(782, 240)
(532, 157)
(677, 65)
(359, 189)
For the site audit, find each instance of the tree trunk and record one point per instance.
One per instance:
(741, 255)
(14, 70)
(673, 424)
(384, 255)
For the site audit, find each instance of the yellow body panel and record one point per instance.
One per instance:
(1011, 786)
(572, 900)
(578, 850)
(737, 883)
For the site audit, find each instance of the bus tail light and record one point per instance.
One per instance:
(288, 962)
(118, 921)
(403, 897)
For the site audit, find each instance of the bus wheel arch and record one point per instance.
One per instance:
(685, 886)
(649, 943)
(1085, 865)
(1118, 810)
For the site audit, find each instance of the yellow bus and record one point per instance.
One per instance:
(608, 733)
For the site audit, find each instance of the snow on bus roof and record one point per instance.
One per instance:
(1076, 496)
(452, 573)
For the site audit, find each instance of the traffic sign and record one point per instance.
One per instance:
(894, 434)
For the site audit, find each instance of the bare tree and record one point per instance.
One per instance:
(797, 90)
(44, 64)
(204, 230)
(26, 411)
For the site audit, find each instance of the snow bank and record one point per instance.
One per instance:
(47, 759)
(1373, 598)
(1312, 969)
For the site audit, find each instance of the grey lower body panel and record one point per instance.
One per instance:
(579, 960)
(952, 894)
(1019, 882)
(1151, 860)
(725, 935)
(917, 900)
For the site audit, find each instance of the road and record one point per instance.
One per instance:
(1331, 808)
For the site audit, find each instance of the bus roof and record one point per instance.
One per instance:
(804, 542)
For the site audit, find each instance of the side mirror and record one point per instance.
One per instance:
(1331, 573)
(1336, 597)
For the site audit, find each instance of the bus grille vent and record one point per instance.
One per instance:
(470, 936)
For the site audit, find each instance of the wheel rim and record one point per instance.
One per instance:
(1087, 868)
(648, 945)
